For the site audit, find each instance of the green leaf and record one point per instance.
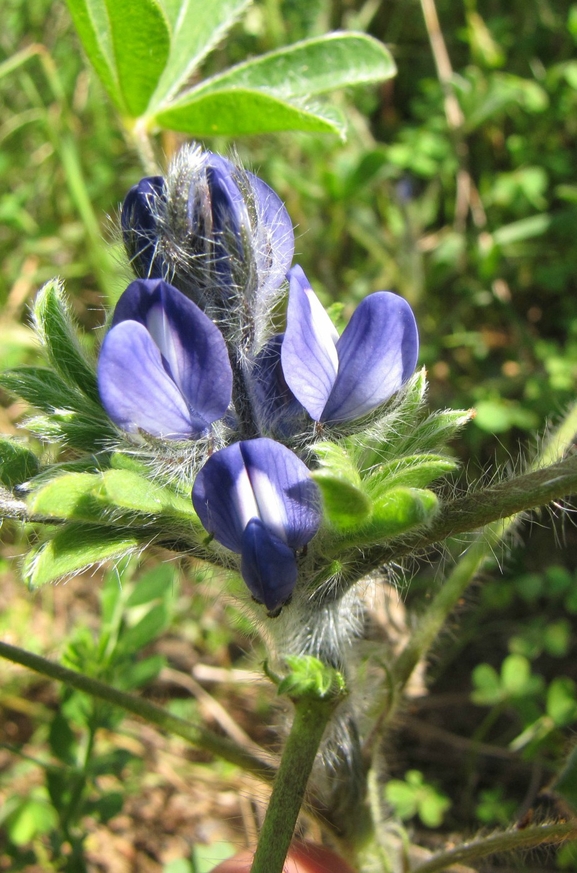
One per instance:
(86, 432)
(17, 463)
(43, 388)
(153, 585)
(415, 471)
(74, 548)
(240, 112)
(147, 629)
(344, 503)
(488, 689)
(90, 18)
(525, 228)
(62, 740)
(128, 44)
(313, 66)
(57, 331)
(87, 497)
(198, 26)
(141, 673)
(72, 496)
(128, 490)
(34, 816)
(561, 701)
(311, 678)
(401, 509)
(141, 41)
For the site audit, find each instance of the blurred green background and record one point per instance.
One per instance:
(456, 187)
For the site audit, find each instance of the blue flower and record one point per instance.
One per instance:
(257, 499)
(163, 367)
(342, 378)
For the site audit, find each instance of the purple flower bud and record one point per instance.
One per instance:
(141, 211)
(211, 229)
(258, 499)
(163, 366)
(343, 378)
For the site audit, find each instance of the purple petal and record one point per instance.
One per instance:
(287, 498)
(222, 497)
(257, 479)
(268, 566)
(136, 390)
(276, 235)
(309, 355)
(192, 347)
(277, 409)
(377, 354)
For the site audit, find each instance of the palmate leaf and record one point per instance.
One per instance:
(269, 93)
(128, 44)
(197, 28)
(310, 67)
(240, 112)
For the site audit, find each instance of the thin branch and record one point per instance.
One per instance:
(198, 736)
(508, 841)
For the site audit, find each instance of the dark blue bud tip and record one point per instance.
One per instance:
(139, 222)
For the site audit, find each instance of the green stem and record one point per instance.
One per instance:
(527, 838)
(310, 720)
(198, 736)
(140, 139)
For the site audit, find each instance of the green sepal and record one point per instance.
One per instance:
(416, 471)
(344, 503)
(17, 463)
(309, 677)
(73, 548)
(395, 513)
(57, 332)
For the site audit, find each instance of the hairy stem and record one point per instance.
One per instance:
(508, 841)
(252, 762)
(310, 720)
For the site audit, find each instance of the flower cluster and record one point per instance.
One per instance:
(190, 346)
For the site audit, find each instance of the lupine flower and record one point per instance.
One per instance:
(343, 378)
(258, 500)
(163, 366)
(210, 228)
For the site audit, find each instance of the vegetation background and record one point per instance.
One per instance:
(456, 187)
